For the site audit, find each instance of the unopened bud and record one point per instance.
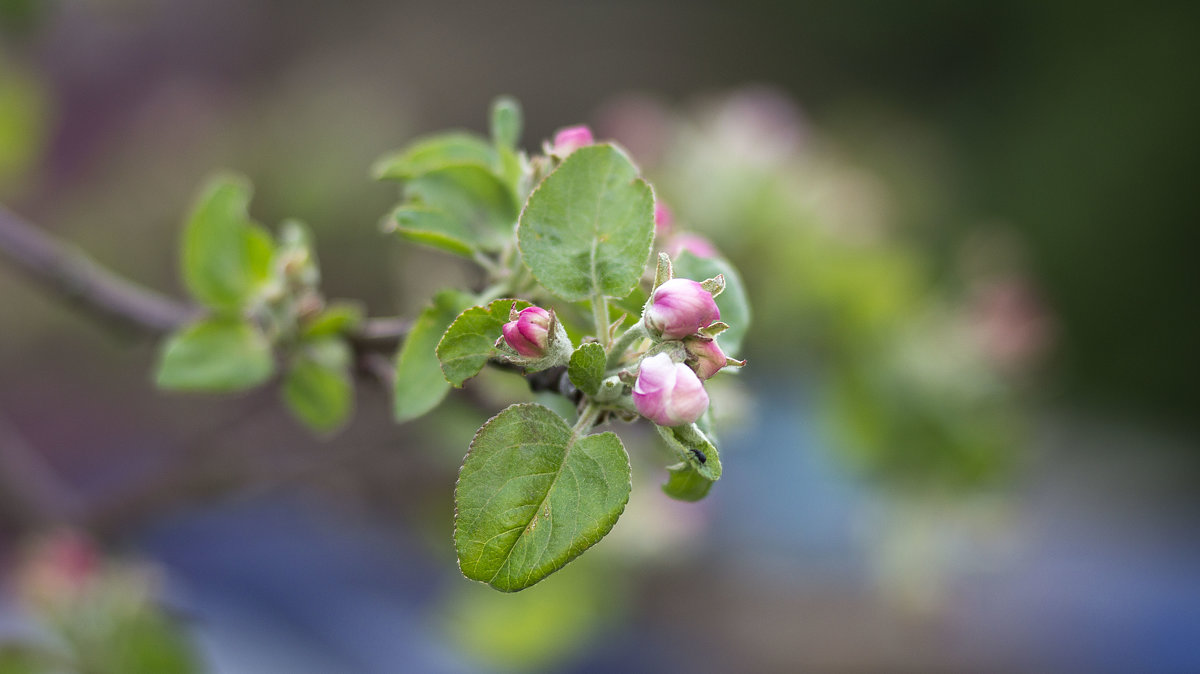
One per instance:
(529, 333)
(664, 219)
(668, 393)
(572, 138)
(680, 307)
(693, 243)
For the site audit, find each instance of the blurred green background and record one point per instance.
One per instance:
(876, 169)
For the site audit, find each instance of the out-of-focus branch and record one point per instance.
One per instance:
(77, 279)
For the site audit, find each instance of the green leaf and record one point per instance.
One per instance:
(471, 340)
(433, 153)
(434, 228)
(685, 483)
(215, 355)
(471, 195)
(318, 389)
(532, 496)
(586, 368)
(693, 448)
(734, 306)
(338, 318)
(420, 385)
(506, 121)
(226, 259)
(588, 228)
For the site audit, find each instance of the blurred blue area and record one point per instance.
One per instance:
(789, 503)
(286, 584)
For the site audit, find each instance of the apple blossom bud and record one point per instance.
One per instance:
(668, 393)
(680, 307)
(664, 219)
(693, 243)
(529, 334)
(572, 138)
(704, 356)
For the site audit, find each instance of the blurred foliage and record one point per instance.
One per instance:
(537, 627)
(93, 615)
(24, 124)
(851, 307)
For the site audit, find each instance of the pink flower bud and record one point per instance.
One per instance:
(704, 356)
(530, 333)
(572, 138)
(693, 243)
(664, 219)
(679, 308)
(668, 393)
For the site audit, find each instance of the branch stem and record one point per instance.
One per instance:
(115, 301)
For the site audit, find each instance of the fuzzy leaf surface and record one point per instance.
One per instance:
(586, 368)
(471, 340)
(588, 228)
(531, 496)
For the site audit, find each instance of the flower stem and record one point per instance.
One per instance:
(587, 420)
(631, 337)
(600, 314)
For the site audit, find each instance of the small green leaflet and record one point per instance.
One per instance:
(471, 340)
(318, 388)
(586, 368)
(685, 483)
(471, 196)
(506, 122)
(690, 444)
(216, 355)
(420, 385)
(435, 152)
(434, 228)
(532, 496)
(588, 228)
(226, 259)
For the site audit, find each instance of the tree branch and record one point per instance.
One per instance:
(80, 281)
(74, 277)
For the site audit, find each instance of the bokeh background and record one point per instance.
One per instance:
(966, 439)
